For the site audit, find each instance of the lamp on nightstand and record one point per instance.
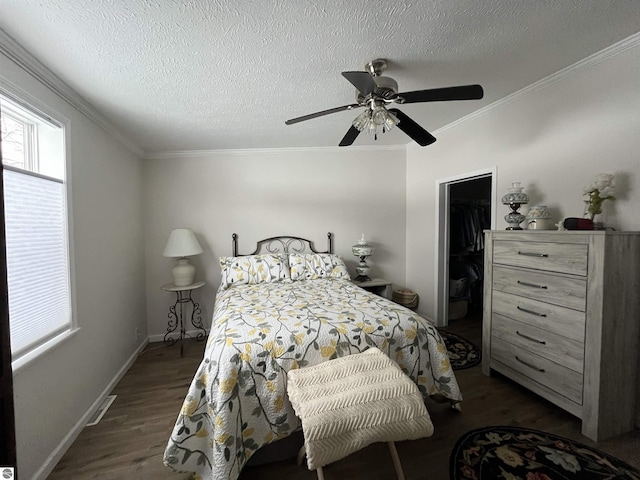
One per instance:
(362, 250)
(182, 243)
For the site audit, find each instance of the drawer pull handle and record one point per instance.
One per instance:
(541, 342)
(541, 370)
(530, 254)
(531, 311)
(533, 285)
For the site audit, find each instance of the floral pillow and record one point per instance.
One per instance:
(317, 265)
(250, 269)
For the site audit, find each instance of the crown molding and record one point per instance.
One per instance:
(268, 151)
(588, 62)
(27, 62)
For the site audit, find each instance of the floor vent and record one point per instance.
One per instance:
(97, 416)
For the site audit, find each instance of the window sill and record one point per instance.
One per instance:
(23, 362)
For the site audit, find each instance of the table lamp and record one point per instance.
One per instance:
(181, 244)
(362, 250)
(515, 198)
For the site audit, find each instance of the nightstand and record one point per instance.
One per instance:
(381, 287)
(184, 305)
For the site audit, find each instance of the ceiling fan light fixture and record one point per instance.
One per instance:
(378, 116)
(375, 120)
(362, 121)
(390, 121)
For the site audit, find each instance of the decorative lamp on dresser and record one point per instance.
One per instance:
(562, 318)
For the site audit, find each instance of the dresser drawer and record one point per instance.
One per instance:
(570, 292)
(562, 321)
(554, 376)
(553, 257)
(551, 346)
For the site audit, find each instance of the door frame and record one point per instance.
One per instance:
(443, 207)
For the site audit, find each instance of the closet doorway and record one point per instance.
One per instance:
(465, 207)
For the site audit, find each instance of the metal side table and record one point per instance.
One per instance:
(184, 305)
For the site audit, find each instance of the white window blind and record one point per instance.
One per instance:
(37, 263)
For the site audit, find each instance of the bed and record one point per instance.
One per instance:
(287, 305)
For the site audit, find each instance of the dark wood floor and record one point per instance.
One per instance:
(129, 441)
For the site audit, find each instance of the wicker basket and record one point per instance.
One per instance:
(406, 298)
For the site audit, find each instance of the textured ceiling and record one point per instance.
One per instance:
(223, 74)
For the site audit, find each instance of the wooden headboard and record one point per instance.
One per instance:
(283, 244)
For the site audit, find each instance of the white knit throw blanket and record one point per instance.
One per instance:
(350, 402)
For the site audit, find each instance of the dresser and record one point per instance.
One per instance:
(561, 317)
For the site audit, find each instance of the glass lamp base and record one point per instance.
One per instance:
(514, 219)
(362, 278)
(362, 269)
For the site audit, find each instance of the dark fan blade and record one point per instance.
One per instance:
(319, 114)
(463, 92)
(351, 135)
(363, 81)
(411, 128)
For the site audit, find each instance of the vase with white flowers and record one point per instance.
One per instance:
(602, 188)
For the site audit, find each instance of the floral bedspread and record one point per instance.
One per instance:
(237, 401)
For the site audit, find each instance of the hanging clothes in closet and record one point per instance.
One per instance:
(468, 220)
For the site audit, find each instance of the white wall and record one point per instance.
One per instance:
(54, 393)
(554, 138)
(259, 194)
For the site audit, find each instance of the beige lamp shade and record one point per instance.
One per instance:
(181, 244)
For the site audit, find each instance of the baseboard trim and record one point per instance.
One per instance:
(50, 463)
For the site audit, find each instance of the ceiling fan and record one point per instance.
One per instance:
(375, 92)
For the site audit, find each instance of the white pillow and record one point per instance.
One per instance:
(316, 265)
(251, 269)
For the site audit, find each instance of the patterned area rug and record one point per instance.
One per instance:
(511, 453)
(462, 353)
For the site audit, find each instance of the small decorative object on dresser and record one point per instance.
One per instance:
(539, 218)
(602, 188)
(515, 198)
(362, 250)
(574, 223)
(561, 318)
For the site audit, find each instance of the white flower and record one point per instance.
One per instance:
(607, 191)
(604, 182)
(603, 188)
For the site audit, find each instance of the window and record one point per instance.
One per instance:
(33, 158)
